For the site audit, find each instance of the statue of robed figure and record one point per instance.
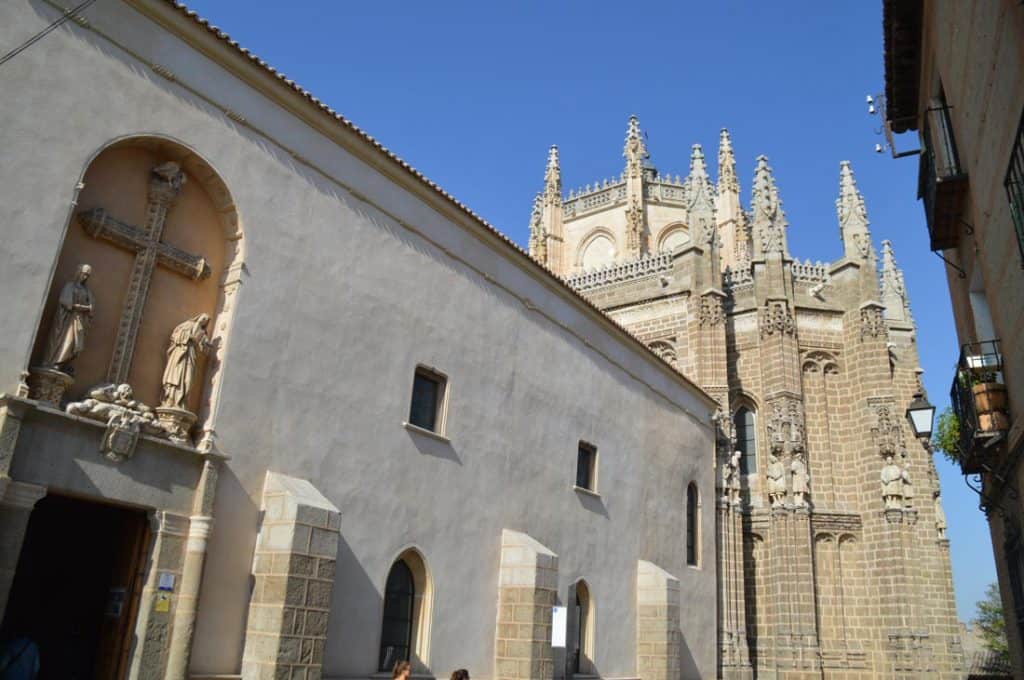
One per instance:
(188, 341)
(71, 320)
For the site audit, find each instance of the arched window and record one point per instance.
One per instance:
(396, 631)
(746, 439)
(672, 237)
(582, 660)
(598, 250)
(405, 623)
(692, 535)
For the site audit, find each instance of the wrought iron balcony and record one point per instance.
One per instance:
(978, 398)
(942, 183)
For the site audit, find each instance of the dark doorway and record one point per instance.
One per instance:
(75, 589)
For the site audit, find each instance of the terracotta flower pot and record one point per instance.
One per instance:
(989, 397)
(993, 421)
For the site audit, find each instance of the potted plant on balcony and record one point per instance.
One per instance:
(989, 399)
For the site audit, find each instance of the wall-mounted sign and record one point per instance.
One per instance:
(166, 581)
(558, 623)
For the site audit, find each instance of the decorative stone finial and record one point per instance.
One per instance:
(853, 216)
(727, 180)
(553, 178)
(700, 199)
(635, 151)
(769, 221)
(894, 292)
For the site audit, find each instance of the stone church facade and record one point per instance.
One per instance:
(832, 554)
(274, 405)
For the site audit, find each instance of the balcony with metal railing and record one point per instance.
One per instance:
(979, 400)
(942, 182)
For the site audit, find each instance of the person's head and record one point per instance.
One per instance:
(83, 273)
(401, 670)
(461, 674)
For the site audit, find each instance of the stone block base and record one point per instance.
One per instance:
(294, 571)
(527, 585)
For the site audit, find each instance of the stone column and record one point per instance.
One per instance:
(199, 528)
(527, 584)
(733, 653)
(657, 623)
(16, 502)
(294, 565)
(156, 606)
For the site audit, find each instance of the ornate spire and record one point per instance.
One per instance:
(635, 151)
(894, 292)
(727, 180)
(537, 241)
(553, 176)
(700, 200)
(769, 223)
(853, 216)
(547, 248)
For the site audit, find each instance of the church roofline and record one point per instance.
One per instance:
(358, 136)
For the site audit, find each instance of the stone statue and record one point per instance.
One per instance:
(908, 489)
(126, 418)
(801, 480)
(940, 516)
(893, 479)
(188, 341)
(70, 322)
(776, 481)
(731, 478)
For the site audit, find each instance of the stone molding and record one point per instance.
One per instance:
(775, 318)
(21, 494)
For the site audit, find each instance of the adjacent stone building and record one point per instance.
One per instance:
(954, 82)
(832, 554)
(276, 406)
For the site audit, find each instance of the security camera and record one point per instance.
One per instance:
(878, 148)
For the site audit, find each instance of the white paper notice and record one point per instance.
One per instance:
(166, 581)
(558, 621)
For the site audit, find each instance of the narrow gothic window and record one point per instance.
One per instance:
(691, 524)
(746, 439)
(586, 467)
(581, 661)
(396, 629)
(426, 410)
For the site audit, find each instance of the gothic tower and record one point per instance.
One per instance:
(832, 556)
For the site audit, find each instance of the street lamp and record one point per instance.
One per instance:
(921, 413)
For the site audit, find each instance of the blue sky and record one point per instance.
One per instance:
(473, 93)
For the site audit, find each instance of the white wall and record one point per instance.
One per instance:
(344, 296)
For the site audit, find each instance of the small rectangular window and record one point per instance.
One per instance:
(586, 467)
(427, 408)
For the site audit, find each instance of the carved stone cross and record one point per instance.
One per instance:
(164, 184)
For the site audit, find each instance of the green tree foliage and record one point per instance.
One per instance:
(990, 624)
(946, 437)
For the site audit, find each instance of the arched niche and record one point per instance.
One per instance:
(201, 221)
(597, 250)
(673, 236)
